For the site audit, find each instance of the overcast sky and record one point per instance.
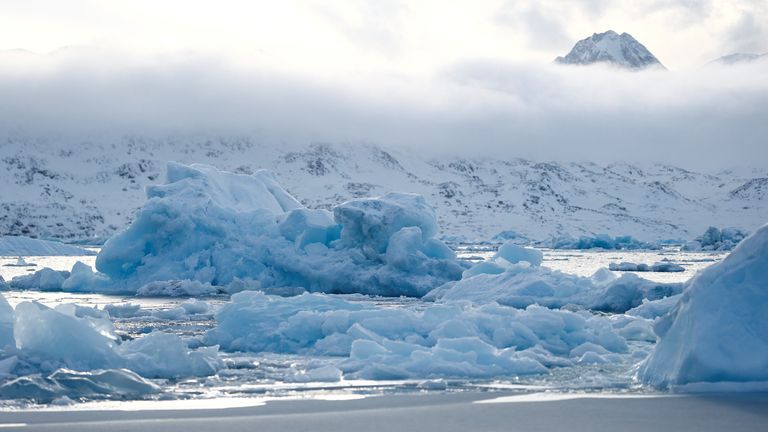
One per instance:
(432, 74)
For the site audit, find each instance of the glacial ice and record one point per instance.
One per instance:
(40, 347)
(717, 331)
(599, 241)
(69, 384)
(206, 232)
(520, 285)
(6, 324)
(457, 339)
(652, 309)
(715, 239)
(45, 279)
(659, 267)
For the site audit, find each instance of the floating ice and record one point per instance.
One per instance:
(652, 309)
(715, 239)
(659, 267)
(717, 331)
(521, 285)
(164, 355)
(6, 324)
(514, 254)
(206, 232)
(45, 279)
(110, 383)
(36, 340)
(440, 340)
(599, 241)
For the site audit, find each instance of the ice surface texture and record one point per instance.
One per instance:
(716, 239)
(207, 231)
(518, 283)
(719, 329)
(40, 348)
(599, 241)
(441, 340)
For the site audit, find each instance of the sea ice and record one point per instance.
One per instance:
(456, 339)
(36, 340)
(65, 383)
(520, 285)
(45, 279)
(599, 241)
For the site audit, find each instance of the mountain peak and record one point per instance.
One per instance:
(738, 58)
(610, 47)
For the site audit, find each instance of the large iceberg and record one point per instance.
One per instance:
(208, 231)
(456, 339)
(718, 331)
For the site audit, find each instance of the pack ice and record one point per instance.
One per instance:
(206, 231)
(514, 277)
(457, 339)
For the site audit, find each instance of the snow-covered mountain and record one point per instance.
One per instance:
(738, 58)
(91, 189)
(610, 47)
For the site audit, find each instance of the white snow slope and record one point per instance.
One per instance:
(610, 47)
(84, 190)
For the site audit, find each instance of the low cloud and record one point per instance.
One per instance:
(709, 118)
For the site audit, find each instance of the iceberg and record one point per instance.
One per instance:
(715, 239)
(522, 284)
(207, 232)
(599, 241)
(717, 331)
(45, 279)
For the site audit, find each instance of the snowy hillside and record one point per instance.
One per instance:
(739, 58)
(610, 47)
(50, 190)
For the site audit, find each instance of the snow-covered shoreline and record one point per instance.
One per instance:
(53, 192)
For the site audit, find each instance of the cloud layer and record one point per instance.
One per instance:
(711, 117)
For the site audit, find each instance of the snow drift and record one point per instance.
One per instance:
(718, 331)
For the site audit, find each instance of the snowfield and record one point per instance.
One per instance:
(412, 311)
